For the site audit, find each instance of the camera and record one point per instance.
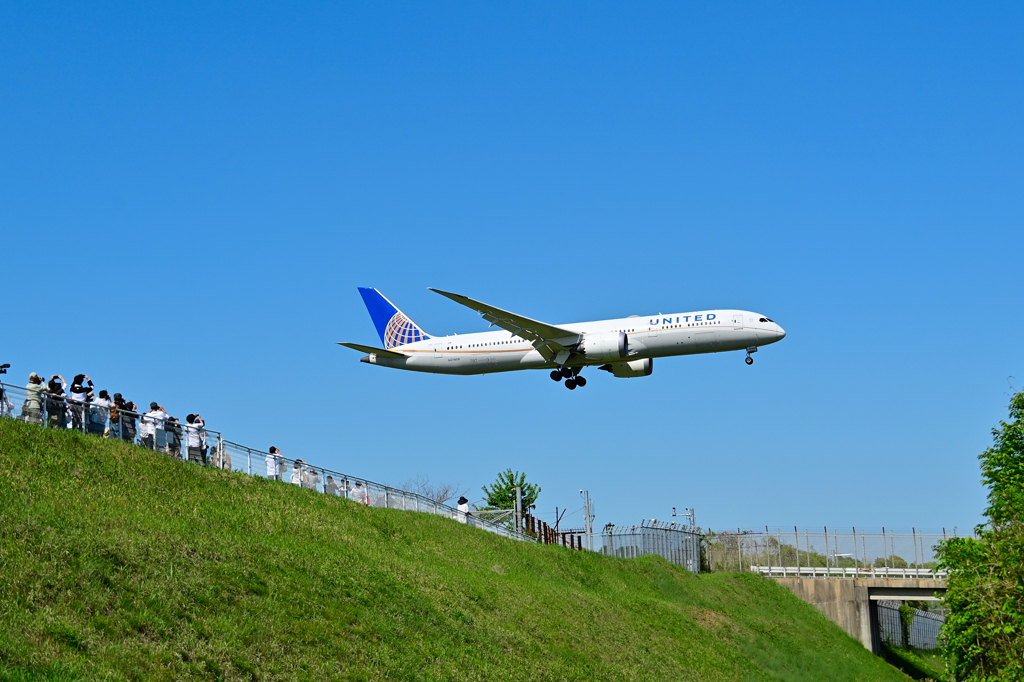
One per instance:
(4, 367)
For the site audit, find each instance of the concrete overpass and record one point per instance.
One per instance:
(852, 603)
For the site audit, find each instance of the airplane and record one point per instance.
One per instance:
(624, 347)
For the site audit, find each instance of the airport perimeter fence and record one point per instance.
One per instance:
(908, 627)
(828, 553)
(171, 438)
(677, 543)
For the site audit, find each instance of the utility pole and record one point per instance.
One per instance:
(518, 513)
(558, 517)
(588, 518)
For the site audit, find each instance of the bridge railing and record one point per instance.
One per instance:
(828, 552)
(840, 572)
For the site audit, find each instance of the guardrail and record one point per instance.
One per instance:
(840, 572)
(170, 437)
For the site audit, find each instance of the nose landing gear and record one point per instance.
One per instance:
(749, 360)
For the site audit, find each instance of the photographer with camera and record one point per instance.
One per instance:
(32, 410)
(99, 409)
(151, 421)
(77, 399)
(6, 406)
(127, 413)
(172, 427)
(56, 407)
(195, 436)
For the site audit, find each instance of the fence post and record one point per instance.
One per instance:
(826, 550)
(913, 532)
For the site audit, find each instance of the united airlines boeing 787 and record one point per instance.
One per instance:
(625, 347)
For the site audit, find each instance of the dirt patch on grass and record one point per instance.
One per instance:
(712, 620)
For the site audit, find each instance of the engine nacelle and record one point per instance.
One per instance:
(606, 346)
(634, 368)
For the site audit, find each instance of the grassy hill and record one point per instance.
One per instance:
(118, 563)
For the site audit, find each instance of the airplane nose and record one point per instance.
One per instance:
(780, 331)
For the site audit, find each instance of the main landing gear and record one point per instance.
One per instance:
(749, 360)
(572, 377)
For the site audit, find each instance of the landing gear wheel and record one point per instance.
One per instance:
(570, 384)
(566, 372)
(749, 360)
(556, 375)
(580, 381)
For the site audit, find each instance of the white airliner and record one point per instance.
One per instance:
(625, 347)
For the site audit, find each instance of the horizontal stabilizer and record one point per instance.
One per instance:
(373, 351)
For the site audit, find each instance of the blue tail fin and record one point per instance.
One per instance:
(394, 327)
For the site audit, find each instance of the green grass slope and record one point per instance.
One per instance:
(118, 563)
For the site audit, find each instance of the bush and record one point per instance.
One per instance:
(983, 631)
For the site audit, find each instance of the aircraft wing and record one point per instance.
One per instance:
(373, 351)
(549, 340)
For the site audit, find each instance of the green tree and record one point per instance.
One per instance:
(984, 631)
(894, 561)
(502, 494)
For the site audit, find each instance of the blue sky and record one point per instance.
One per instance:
(190, 195)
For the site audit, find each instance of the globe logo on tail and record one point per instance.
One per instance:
(400, 331)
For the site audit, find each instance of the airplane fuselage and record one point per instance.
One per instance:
(647, 337)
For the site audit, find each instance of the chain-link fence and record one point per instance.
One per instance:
(195, 443)
(676, 543)
(884, 553)
(904, 626)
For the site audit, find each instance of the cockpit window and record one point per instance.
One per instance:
(765, 319)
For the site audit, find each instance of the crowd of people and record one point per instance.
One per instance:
(55, 404)
(302, 474)
(58, 405)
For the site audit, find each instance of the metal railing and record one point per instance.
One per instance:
(100, 418)
(678, 544)
(922, 632)
(209, 448)
(840, 572)
(254, 462)
(827, 553)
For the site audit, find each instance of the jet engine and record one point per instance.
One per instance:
(606, 346)
(634, 368)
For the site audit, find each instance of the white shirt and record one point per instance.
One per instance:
(312, 479)
(272, 462)
(297, 475)
(195, 433)
(150, 421)
(100, 409)
(463, 510)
